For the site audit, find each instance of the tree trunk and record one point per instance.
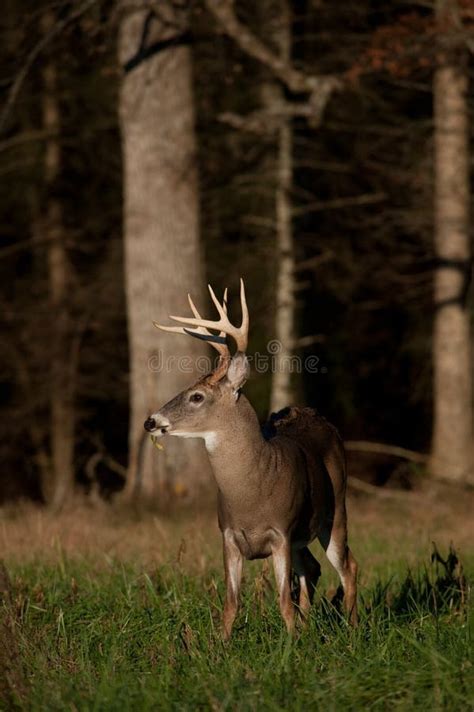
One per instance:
(452, 454)
(60, 484)
(161, 224)
(282, 391)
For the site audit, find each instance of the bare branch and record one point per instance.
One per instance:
(35, 53)
(315, 261)
(260, 222)
(258, 122)
(382, 492)
(336, 203)
(384, 449)
(319, 88)
(25, 137)
(223, 12)
(108, 460)
(309, 340)
(267, 121)
(24, 245)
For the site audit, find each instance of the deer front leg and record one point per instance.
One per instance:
(282, 567)
(233, 561)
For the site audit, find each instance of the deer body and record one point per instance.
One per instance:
(257, 495)
(276, 494)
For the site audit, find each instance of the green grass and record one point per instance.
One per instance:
(116, 637)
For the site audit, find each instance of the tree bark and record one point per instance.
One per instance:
(60, 483)
(162, 251)
(452, 447)
(282, 391)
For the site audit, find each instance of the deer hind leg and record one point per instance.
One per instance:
(282, 568)
(233, 561)
(308, 570)
(340, 556)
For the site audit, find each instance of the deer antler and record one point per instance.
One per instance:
(218, 342)
(201, 329)
(239, 334)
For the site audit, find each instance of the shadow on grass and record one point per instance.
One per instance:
(438, 588)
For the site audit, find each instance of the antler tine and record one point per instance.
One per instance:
(171, 329)
(193, 307)
(224, 307)
(223, 349)
(206, 323)
(198, 316)
(181, 329)
(217, 304)
(239, 334)
(244, 327)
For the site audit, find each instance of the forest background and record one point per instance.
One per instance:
(320, 150)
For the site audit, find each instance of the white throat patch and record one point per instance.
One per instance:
(209, 437)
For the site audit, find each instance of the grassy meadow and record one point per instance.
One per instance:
(105, 609)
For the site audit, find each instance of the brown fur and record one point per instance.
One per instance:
(275, 495)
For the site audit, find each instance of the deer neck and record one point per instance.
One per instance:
(236, 449)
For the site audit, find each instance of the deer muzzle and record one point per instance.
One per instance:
(156, 424)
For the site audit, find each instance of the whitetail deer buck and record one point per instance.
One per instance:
(276, 494)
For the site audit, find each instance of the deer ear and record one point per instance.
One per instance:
(238, 372)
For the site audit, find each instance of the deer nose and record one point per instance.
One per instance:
(150, 424)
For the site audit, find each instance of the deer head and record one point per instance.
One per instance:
(198, 410)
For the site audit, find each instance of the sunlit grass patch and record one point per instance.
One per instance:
(128, 638)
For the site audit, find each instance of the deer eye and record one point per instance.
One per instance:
(196, 398)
